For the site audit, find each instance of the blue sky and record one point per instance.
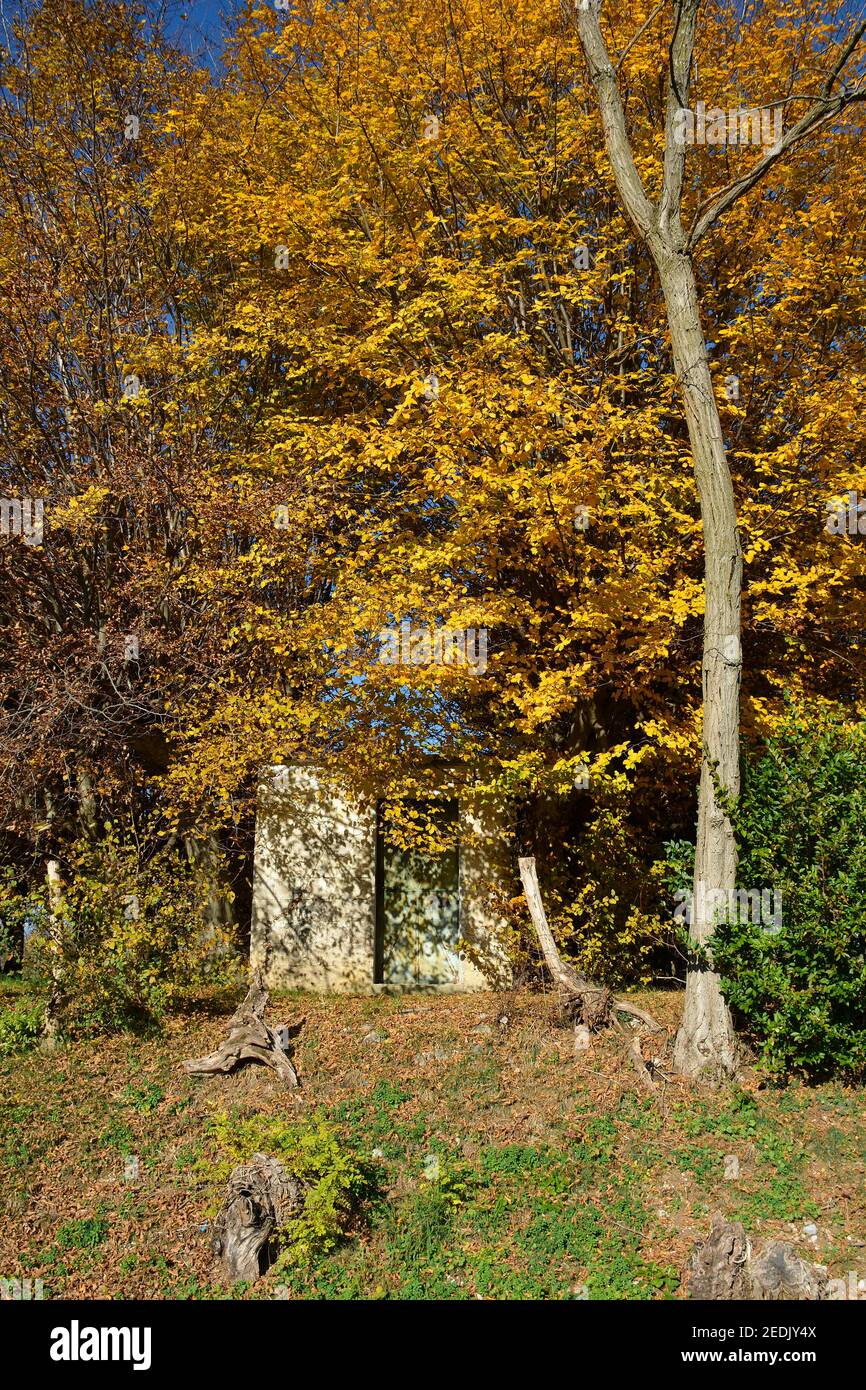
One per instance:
(197, 26)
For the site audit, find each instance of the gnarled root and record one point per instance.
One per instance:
(249, 1040)
(260, 1197)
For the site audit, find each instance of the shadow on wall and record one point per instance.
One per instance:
(337, 909)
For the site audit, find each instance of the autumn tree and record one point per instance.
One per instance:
(705, 1043)
(97, 632)
(466, 353)
(403, 357)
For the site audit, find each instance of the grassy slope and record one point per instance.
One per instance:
(555, 1171)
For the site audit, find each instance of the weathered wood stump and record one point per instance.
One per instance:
(718, 1266)
(778, 1273)
(260, 1198)
(249, 1040)
(724, 1267)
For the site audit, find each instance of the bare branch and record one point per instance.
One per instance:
(628, 181)
(845, 54)
(818, 115)
(681, 54)
(634, 38)
(825, 108)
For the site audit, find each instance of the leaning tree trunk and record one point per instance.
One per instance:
(592, 1005)
(706, 1043)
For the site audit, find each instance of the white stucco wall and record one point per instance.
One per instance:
(314, 887)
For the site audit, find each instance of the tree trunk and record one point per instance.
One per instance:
(591, 1003)
(564, 976)
(88, 817)
(706, 1044)
(54, 1007)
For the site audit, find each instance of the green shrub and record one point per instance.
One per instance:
(19, 1029)
(129, 939)
(799, 992)
(336, 1182)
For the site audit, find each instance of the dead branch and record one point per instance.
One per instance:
(644, 1075)
(589, 1003)
(249, 1040)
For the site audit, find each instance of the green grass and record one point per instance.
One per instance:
(500, 1167)
(144, 1099)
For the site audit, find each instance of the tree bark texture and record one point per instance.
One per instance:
(706, 1043)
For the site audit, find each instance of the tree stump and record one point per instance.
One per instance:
(724, 1267)
(719, 1265)
(778, 1273)
(260, 1198)
(249, 1040)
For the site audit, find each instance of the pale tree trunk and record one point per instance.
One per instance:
(54, 1006)
(595, 1001)
(706, 1044)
